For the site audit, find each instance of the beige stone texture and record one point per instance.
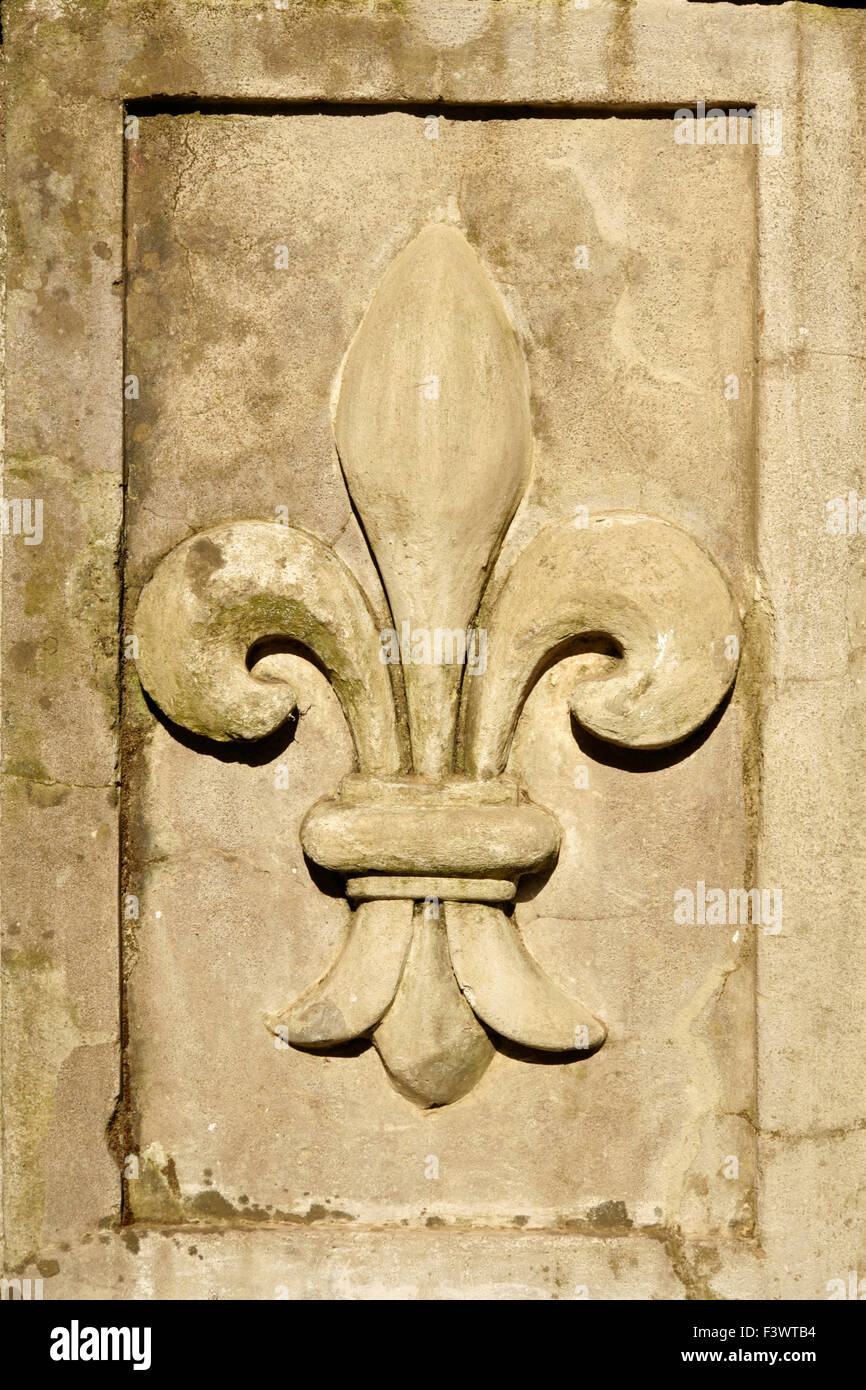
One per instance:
(207, 208)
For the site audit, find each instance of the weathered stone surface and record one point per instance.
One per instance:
(636, 278)
(377, 828)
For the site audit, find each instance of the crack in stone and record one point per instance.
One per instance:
(49, 782)
(181, 178)
(814, 1136)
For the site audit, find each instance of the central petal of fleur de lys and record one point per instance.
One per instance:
(432, 427)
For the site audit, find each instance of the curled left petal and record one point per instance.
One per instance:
(218, 594)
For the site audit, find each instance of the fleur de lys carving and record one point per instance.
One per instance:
(432, 427)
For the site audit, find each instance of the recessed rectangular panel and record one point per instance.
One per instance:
(625, 261)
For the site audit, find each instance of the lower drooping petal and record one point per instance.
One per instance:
(507, 988)
(430, 1041)
(352, 997)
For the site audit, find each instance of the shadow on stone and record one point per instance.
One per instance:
(253, 754)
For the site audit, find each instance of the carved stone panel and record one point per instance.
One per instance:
(433, 650)
(378, 402)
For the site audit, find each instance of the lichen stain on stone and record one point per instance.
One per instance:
(620, 47)
(214, 1204)
(29, 769)
(41, 1033)
(152, 1197)
(203, 559)
(46, 796)
(743, 1222)
(384, 29)
(21, 655)
(612, 1215)
(693, 1265)
(315, 1213)
(169, 1172)
(72, 587)
(55, 314)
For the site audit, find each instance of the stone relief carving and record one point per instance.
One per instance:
(431, 834)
